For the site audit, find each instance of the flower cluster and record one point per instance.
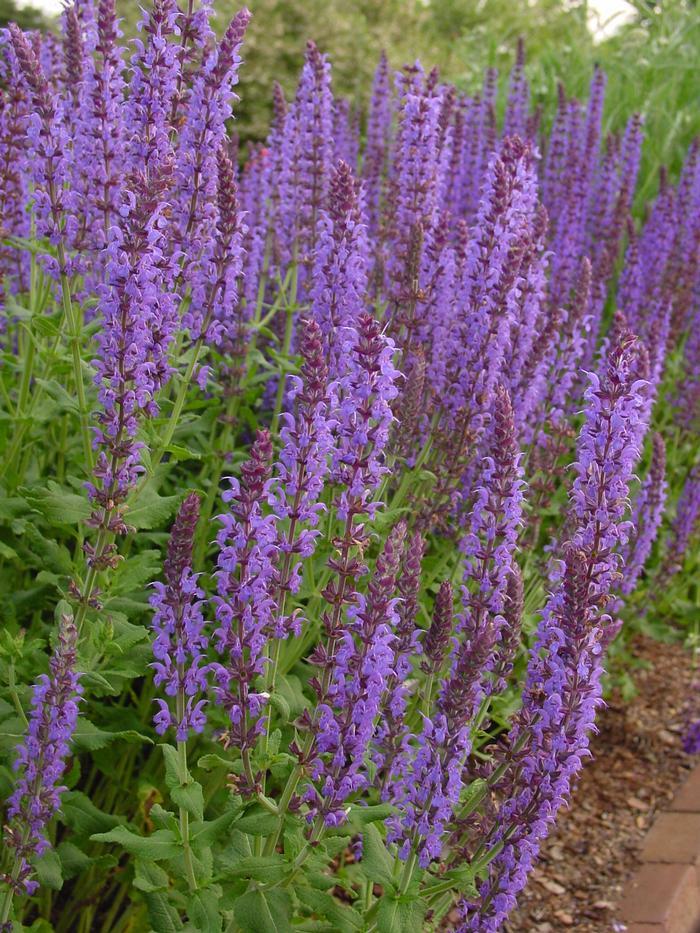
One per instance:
(381, 350)
(41, 758)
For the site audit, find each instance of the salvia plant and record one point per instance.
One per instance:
(329, 469)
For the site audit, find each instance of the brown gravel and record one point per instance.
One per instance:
(638, 765)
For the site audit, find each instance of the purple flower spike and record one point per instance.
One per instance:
(301, 471)
(489, 546)
(339, 279)
(360, 671)
(181, 642)
(549, 739)
(246, 577)
(41, 758)
(646, 518)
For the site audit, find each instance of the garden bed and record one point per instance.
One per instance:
(638, 765)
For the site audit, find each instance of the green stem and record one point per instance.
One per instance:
(279, 401)
(172, 422)
(184, 779)
(73, 322)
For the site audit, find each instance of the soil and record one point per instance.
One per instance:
(638, 765)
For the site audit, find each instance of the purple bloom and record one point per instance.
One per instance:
(359, 673)
(339, 278)
(301, 471)
(180, 643)
(215, 313)
(365, 391)
(306, 158)
(47, 156)
(245, 578)
(647, 514)
(491, 539)
(377, 146)
(153, 87)
(138, 325)
(684, 527)
(549, 739)
(41, 758)
(209, 105)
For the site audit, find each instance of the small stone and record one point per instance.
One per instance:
(552, 886)
(637, 804)
(565, 918)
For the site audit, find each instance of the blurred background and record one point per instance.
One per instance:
(649, 50)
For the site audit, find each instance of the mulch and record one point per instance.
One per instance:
(638, 765)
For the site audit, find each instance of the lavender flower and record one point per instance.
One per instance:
(209, 105)
(301, 471)
(437, 638)
(47, 156)
(244, 607)
(684, 528)
(489, 546)
(41, 758)
(550, 736)
(376, 149)
(349, 708)
(180, 643)
(139, 320)
(646, 517)
(339, 278)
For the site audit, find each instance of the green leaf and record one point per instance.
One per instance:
(264, 912)
(290, 689)
(270, 868)
(149, 877)
(6, 552)
(73, 860)
(213, 761)
(361, 816)
(162, 915)
(343, 918)
(152, 510)
(182, 453)
(142, 568)
(204, 911)
(377, 864)
(164, 819)
(190, 797)
(48, 870)
(204, 833)
(160, 845)
(472, 797)
(258, 822)
(184, 791)
(82, 816)
(58, 505)
(88, 736)
(281, 705)
(401, 914)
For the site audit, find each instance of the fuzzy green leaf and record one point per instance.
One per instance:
(162, 915)
(377, 864)
(83, 817)
(343, 918)
(48, 870)
(160, 845)
(204, 911)
(264, 912)
(270, 868)
(149, 877)
(401, 914)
